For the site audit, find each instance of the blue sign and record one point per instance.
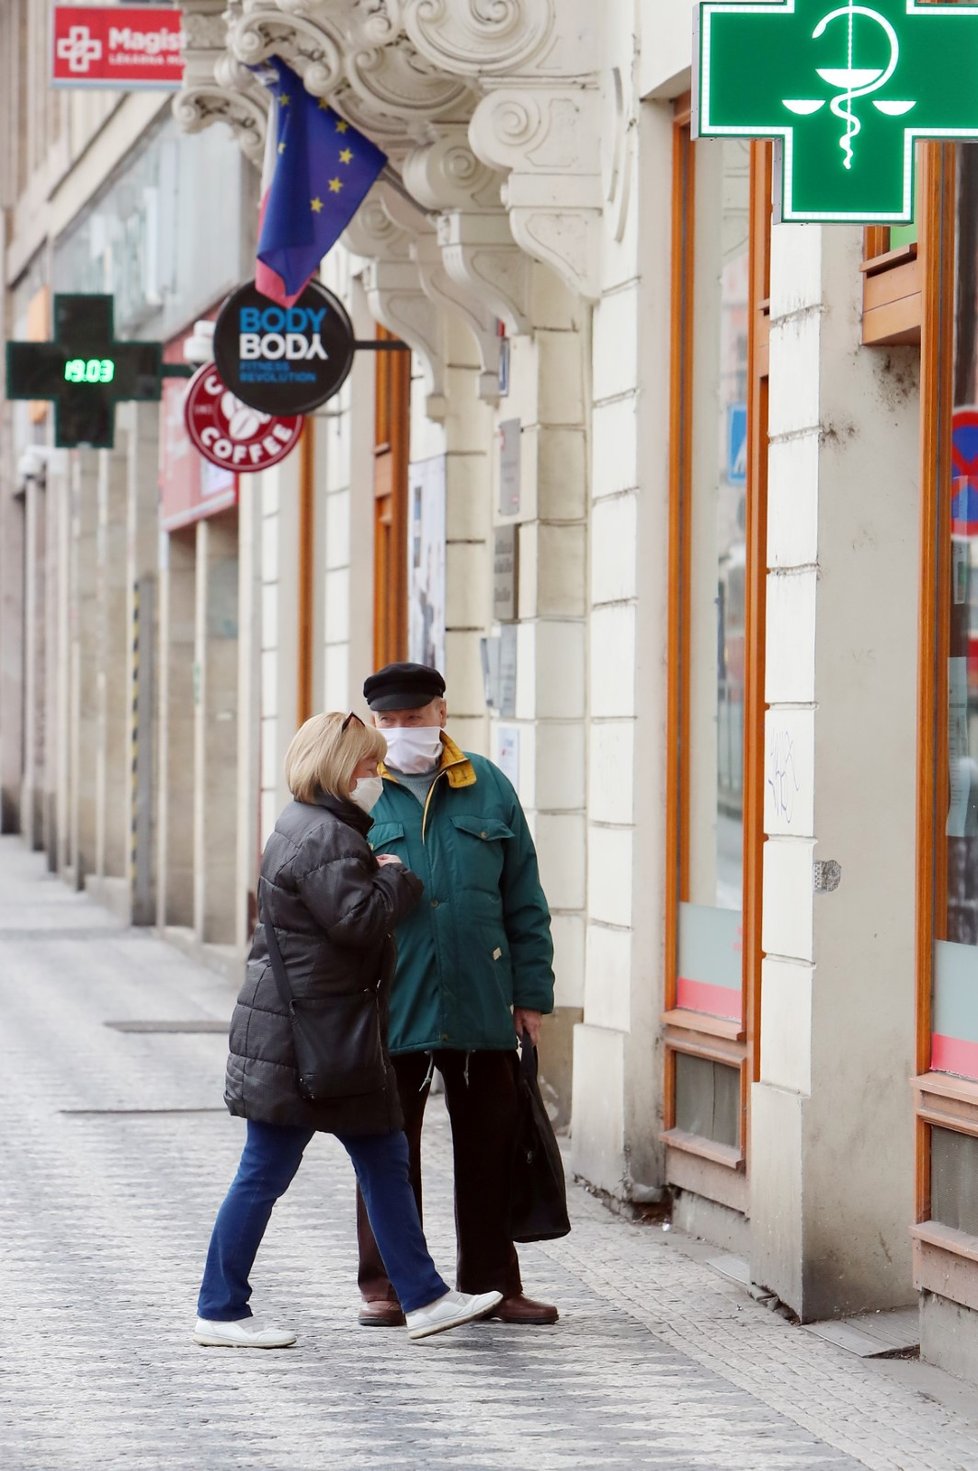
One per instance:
(737, 444)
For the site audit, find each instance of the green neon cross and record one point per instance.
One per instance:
(845, 88)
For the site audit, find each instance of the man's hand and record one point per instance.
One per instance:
(527, 1021)
(383, 858)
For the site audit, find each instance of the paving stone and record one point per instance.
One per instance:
(114, 1160)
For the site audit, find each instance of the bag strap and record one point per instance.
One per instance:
(275, 956)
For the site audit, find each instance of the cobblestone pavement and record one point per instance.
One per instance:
(115, 1153)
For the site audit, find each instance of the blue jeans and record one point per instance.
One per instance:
(269, 1161)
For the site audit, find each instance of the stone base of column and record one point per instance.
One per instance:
(710, 1221)
(949, 1336)
(557, 1058)
(598, 1151)
(112, 894)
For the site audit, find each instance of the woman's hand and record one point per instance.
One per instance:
(383, 858)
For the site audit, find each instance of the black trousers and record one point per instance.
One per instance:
(481, 1095)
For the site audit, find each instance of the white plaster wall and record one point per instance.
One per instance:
(832, 1107)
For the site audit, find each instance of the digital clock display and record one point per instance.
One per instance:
(89, 370)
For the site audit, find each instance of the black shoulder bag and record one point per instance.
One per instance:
(538, 1202)
(337, 1041)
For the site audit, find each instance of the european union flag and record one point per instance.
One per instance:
(318, 169)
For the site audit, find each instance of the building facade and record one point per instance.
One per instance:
(680, 501)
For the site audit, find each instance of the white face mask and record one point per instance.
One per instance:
(413, 748)
(367, 792)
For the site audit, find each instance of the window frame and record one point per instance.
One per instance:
(721, 1171)
(944, 1258)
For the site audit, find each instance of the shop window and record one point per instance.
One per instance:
(955, 959)
(721, 240)
(709, 972)
(708, 1099)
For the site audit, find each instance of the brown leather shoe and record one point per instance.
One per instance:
(381, 1313)
(522, 1309)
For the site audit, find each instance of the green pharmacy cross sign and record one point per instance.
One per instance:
(845, 89)
(85, 372)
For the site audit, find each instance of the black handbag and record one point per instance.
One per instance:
(337, 1040)
(538, 1200)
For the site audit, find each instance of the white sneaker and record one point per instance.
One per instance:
(450, 1311)
(244, 1333)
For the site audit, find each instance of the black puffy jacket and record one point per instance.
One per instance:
(334, 910)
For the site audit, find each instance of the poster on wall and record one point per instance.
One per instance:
(426, 562)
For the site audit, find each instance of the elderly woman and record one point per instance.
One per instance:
(327, 909)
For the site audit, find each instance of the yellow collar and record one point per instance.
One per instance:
(460, 771)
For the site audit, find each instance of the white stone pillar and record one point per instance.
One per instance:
(57, 791)
(34, 654)
(549, 391)
(832, 1131)
(215, 731)
(142, 589)
(12, 516)
(113, 761)
(617, 1056)
(84, 665)
(249, 722)
(178, 692)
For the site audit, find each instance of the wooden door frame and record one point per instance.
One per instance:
(692, 1033)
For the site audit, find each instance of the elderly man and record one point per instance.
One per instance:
(474, 969)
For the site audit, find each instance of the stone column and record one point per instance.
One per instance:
(113, 760)
(832, 1165)
(461, 440)
(142, 557)
(617, 1056)
(57, 698)
(83, 694)
(177, 687)
(249, 724)
(34, 655)
(215, 731)
(548, 393)
(11, 658)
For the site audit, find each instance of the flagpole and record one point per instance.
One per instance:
(390, 176)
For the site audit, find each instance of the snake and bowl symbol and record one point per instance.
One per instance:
(850, 81)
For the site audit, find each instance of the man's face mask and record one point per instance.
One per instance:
(413, 749)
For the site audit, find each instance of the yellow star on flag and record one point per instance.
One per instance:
(335, 186)
(341, 126)
(281, 148)
(324, 104)
(316, 205)
(284, 100)
(346, 154)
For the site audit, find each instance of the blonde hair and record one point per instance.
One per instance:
(323, 756)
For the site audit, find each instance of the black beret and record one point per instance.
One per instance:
(403, 687)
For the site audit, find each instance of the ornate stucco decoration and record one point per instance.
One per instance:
(215, 89)
(490, 112)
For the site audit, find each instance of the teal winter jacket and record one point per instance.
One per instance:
(479, 942)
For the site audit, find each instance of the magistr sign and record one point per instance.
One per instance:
(117, 46)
